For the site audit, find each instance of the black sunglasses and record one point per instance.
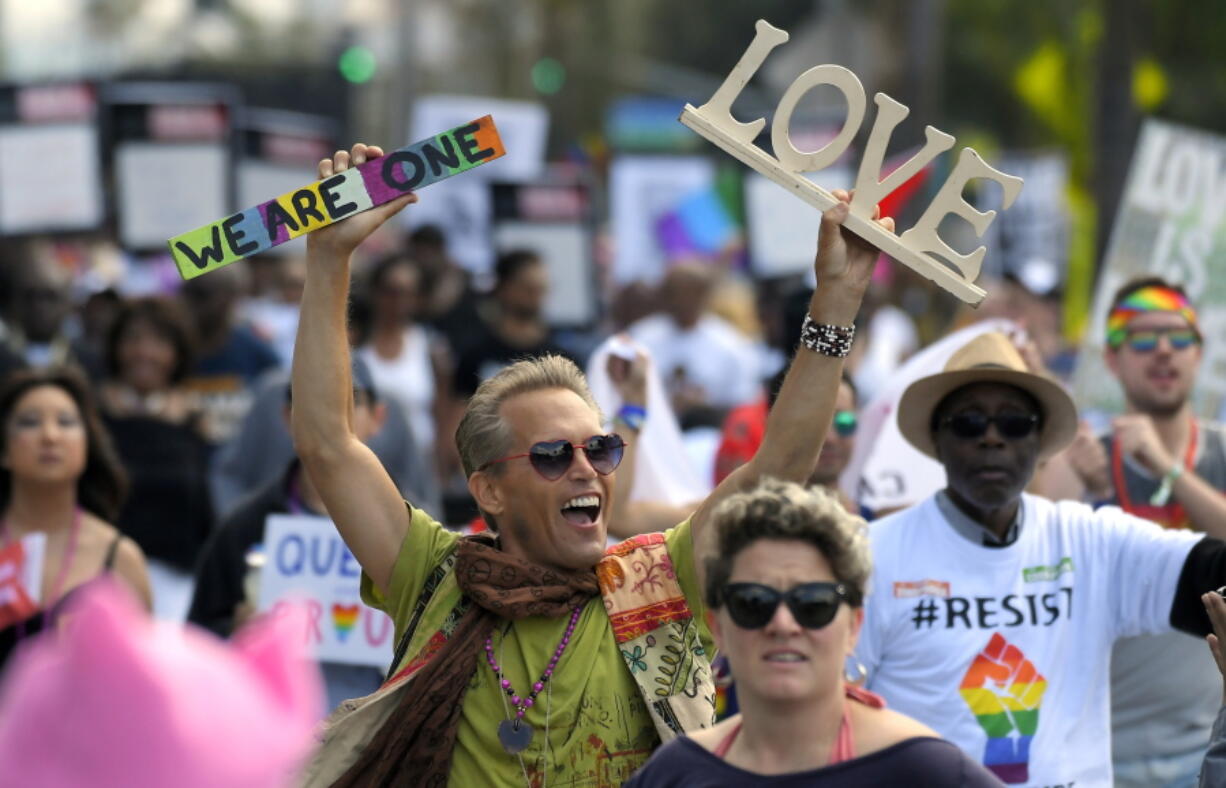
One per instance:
(552, 459)
(753, 605)
(975, 425)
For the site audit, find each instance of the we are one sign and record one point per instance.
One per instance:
(319, 204)
(920, 247)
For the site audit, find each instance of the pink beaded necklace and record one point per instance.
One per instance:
(516, 734)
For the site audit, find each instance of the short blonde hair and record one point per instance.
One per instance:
(483, 436)
(787, 511)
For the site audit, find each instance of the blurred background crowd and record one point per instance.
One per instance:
(126, 122)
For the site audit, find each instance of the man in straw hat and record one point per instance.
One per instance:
(993, 612)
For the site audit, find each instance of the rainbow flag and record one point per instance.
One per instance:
(1004, 691)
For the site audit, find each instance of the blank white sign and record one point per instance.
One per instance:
(57, 191)
(566, 249)
(164, 190)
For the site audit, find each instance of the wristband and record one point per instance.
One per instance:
(632, 416)
(1163, 493)
(834, 341)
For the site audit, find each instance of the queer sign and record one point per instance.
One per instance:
(920, 247)
(357, 189)
(306, 562)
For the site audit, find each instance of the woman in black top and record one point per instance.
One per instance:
(59, 477)
(786, 587)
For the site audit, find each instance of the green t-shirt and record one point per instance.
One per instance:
(599, 729)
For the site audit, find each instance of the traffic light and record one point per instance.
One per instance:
(357, 64)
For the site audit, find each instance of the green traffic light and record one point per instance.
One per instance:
(548, 75)
(357, 64)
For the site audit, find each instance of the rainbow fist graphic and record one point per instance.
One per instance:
(1004, 691)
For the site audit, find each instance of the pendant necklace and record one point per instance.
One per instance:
(515, 733)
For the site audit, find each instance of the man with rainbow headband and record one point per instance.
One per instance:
(1160, 463)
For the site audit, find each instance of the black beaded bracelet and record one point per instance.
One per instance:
(828, 340)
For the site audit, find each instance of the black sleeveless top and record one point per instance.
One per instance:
(14, 633)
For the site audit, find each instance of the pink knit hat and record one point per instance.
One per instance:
(113, 699)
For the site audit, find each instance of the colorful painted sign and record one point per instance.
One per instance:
(307, 562)
(329, 200)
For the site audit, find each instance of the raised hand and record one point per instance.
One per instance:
(1215, 606)
(1137, 437)
(630, 376)
(1088, 459)
(345, 236)
(842, 256)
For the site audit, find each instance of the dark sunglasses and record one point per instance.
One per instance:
(552, 459)
(975, 425)
(845, 423)
(753, 605)
(1147, 341)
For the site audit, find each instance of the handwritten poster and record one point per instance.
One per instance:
(307, 562)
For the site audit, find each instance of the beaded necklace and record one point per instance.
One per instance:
(515, 733)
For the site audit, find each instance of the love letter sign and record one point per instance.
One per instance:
(357, 189)
(918, 245)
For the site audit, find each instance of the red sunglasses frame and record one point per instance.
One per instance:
(574, 446)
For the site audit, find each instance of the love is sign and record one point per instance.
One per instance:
(920, 247)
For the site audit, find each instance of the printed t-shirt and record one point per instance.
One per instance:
(599, 728)
(1005, 650)
(926, 761)
(1165, 689)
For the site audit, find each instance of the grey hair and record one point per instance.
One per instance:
(483, 435)
(787, 511)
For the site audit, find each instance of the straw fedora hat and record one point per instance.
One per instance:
(988, 358)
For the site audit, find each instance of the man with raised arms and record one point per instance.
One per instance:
(536, 656)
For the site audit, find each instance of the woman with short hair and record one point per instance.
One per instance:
(786, 588)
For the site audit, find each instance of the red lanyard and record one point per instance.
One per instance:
(1172, 514)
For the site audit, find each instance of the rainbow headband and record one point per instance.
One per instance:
(1154, 298)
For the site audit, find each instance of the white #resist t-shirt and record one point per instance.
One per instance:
(1006, 651)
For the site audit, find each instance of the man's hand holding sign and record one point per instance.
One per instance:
(920, 247)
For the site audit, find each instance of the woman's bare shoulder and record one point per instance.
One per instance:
(709, 738)
(877, 729)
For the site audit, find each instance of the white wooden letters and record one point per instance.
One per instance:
(917, 246)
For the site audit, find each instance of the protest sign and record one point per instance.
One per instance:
(279, 150)
(21, 578)
(1171, 223)
(642, 191)
(920, 247)
(41, 193)
(307, 562)
(357, 189)
(169, 149)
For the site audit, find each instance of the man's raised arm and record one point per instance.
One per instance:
(360, 496)
(800, 418)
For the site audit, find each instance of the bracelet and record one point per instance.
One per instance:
(832, 341)
(1163, 493)
(632, 416)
